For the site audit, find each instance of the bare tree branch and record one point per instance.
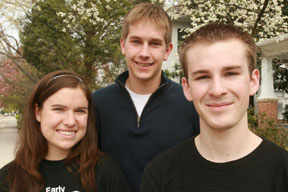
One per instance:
(7, 80)
(261, 13)
(18, 64)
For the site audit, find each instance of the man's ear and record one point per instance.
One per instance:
(254, 82)
(168, 51)
(37, 112)
(122, 44)
(186, 89)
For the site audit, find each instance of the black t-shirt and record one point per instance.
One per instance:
(58, 179)
(183, 169)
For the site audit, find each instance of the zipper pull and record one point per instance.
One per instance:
(138, 122)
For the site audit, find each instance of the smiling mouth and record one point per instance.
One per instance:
(67, 133)
(143, 64)
(218, 105)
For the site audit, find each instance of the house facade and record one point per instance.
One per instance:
(270, 49)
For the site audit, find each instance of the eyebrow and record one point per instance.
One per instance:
(134, 37)
(227, 68)
(199, 72)
(59, 105)
(233, 67)
(153, 39)
(85, 108)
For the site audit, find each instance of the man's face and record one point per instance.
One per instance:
(145, 50)
(219, 83)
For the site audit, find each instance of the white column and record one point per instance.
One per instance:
(267, 86)
(172, 59)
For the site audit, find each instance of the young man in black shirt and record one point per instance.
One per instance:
(219, 61)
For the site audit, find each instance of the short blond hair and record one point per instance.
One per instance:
(150, 12)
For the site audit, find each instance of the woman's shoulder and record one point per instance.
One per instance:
(105, 163)
(109, 175)
(4, 170)
(3, 175)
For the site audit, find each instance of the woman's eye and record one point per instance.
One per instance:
(82, 111)
(58, 109)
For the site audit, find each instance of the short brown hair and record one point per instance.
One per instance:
(151, 12)
(214, 32)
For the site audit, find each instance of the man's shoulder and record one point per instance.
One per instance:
(105, 90)
(174, 94)
(174, 85)
(180, 147)
(172, 155)
(276, 150)
(174, 89)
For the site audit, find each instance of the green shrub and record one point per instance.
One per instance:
(285, 114)
(252, 120)
(272, 132)
(278, 135)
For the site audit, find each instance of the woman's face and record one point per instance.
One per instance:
(63, 121)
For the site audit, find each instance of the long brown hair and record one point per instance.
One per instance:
(23, 174)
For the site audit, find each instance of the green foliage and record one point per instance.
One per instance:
(269, 130)
(252, 120)
(278, 135)
(45, 45)
(285, 114)
(264, 121)
(280, 74)
(176, 73)
(10, 103)
(18, 87)
(83, 44)
(84, 49)
(15, 100)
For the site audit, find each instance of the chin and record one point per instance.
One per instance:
(223, 126)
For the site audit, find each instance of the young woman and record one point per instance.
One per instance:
(58, 143)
